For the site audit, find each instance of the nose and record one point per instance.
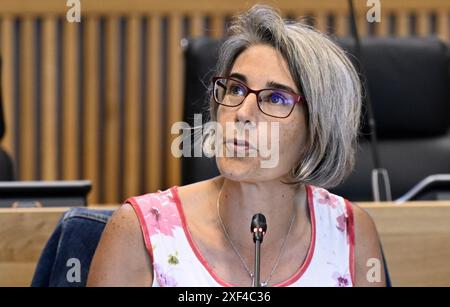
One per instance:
(248, 110)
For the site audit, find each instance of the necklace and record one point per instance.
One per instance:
(250, 273)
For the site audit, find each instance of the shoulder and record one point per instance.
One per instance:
(196, 199)
(124, 220)
(369, 265)
(121, 241)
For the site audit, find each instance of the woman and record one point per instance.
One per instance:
(269, 71)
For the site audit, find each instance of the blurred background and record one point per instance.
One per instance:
(96, 100)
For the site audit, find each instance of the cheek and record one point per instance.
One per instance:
(223, 115)
(292, 139)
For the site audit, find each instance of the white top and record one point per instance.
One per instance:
(177, 261)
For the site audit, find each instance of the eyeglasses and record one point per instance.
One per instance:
(273, 102)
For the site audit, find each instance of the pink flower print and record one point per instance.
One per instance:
(325, 198)
(164, 279)
(341, 222)
(163, 214)
(341, 280)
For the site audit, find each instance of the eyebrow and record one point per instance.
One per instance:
(270, 84)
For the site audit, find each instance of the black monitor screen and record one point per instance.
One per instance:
(44, 193)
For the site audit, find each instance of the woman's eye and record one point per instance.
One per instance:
(277, 98)
(237, 90)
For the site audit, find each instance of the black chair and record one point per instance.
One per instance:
(408, 79)
(409, 84)
(6, 165)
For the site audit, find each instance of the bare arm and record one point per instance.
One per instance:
(369, 265)
(121, 258)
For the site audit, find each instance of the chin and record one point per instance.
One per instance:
(238, 169)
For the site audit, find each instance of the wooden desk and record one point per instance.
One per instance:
(416, 241)
(415, 238)
(23, 234)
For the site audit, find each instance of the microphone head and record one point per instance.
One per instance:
(258, 227)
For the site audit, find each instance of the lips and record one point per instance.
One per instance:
(241, 144)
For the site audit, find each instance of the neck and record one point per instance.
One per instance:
(239, 201)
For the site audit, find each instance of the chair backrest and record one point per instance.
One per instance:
(409, 83)
(67, 256)
(408, 79)
(200, 60)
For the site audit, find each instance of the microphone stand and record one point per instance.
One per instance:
(258, 228)
(256, 281)
(379, 174)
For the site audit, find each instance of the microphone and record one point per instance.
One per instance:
(258, 228)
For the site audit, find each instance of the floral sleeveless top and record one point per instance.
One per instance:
(177, 261)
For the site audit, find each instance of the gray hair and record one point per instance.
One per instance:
(326, 77)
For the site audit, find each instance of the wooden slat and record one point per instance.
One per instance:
(362, 24)
(7, 54)
(70, 102)
(423, 23)
(341, 24)
(175, 95)
(91, 103)
(402, 23)
(384, 24)
(49, 115)
(27, 103)
(132, 103)
(443, 25)
(153, 124)
(217, 26)
(112, 112)
(376, 28)
(321, 21)
(197, 25)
